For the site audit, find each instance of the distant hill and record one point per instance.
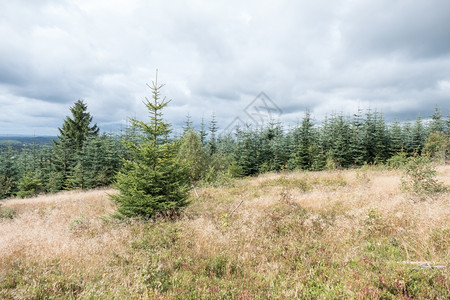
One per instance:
(26, 140)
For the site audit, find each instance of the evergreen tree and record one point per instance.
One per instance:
(8, 171)
(381, 139)
(318, 149)
(292, 143)
(418, 135)
(29, 185)
(202, 132)
(212, 137)
(306, 140)
(395, 138)
(77, 129)
(447, 124)
(407, 137)
(272, 148)
(5, 187)
(247, 152)
(187, 124)
(153, 181)
(370, 127)
(357, 147)
(67, 147)
(437, 124)
(436, 146)
(340, 140)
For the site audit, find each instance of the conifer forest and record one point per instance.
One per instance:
(83, 157)
(348, 208)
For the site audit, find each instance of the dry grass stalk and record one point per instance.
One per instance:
(331, 218)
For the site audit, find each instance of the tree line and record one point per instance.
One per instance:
(82, 158)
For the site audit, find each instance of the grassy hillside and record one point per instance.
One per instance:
(341, 234)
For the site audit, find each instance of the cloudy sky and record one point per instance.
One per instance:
(217, 56)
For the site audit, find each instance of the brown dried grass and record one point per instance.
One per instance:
(74, 230)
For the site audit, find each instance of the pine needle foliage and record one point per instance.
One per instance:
(68, 147)
(420, 178)
(153, 181)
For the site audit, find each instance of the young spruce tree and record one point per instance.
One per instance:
(153, 181)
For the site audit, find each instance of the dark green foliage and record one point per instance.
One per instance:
(34, 168)
(397, 161)
(396, 143)
(77, 129)
(5, 186)
(153, 181)
(9, 174)
(30, 184)
(68, 147)
(370, 137)
(81, 159)
(339, 141)
(247, 151)
(357, 146)
(272, 154)
(97, 163)
(305, 155)
(418, 135)
(381, 140)
(407, 138)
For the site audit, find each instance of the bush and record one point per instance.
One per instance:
(5, 187)
(436, 146)
(194, 155)
(419, 178)
(397, 161)
(7, 213)
(30, 185)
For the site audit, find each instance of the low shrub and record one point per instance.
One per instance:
(420, 178)
(7, 213)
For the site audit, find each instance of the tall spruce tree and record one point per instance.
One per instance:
(357, 147)
(77, 129)
(304, 153)
(74, 132)
(212, 137)
(395, 138)
(202, 131)
(418, 135)
(153, 181)
(370, 136)
(339, 150)
(437, 122)
(8, 171)
(381, 150)
(188, 126)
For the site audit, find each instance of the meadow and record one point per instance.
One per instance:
(328, 235)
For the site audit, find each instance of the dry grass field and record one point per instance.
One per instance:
(335, 234)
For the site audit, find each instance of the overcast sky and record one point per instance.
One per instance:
(217, 56)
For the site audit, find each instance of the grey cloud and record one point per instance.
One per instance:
(216, 57)
(411, 28)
